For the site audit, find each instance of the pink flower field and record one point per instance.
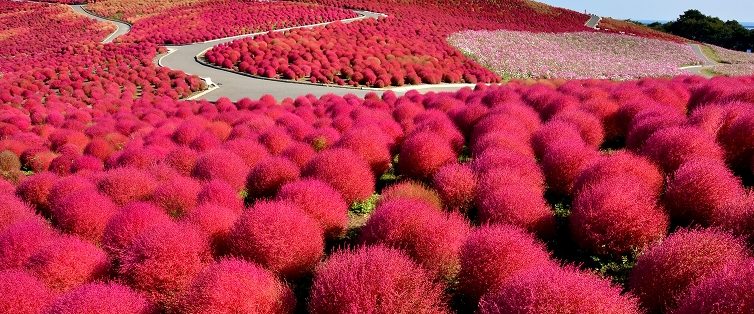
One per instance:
(579, 55)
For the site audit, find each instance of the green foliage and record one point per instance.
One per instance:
(366, 206)
(694, 25)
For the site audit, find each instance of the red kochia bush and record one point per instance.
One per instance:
(103, 298)
(700, 191)
(492, 254)
(68, 185)
(222, 165)
(563, 162)
(22, 293)
(664, 272)
(518, 205)
(21, 239)
(588, 125)
(67, 262)
(345, 171)
(269, 175)
(412, 191)
(725, 291)
(622, 164)
(162, 261)
(551, 133)
(278, 236)
(320, 201)
(616, 216)
(13, 209)
(83, 213)
(456, 184)
(219, 192)
(129, 223)
(738, 140)
(424, 153)
(671, 147)
(374, 280)
(555, 290)
(36, 189)
(124, 185)
(176, 195)
(235, 286)
(370, 144)
(215, 221)
(430, 236)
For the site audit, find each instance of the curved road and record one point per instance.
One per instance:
(121, 28)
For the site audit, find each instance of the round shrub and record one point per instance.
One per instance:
(83, 213)
(320, 201)
(68, 185)
(492, 254)
(215, 221)
(563, 162)
(671, 147)
(222, 165)
(235, 286)
(725, 291)
(161, 261)
(518, 205)
(374, 280)
(12, 210)
(67, 262)
(182, 159)
(738, 140)
(22, 293)
(36, 190)
(700, 191)
(371, 145)
(502, 140)
(551, 133)
(456, 184)
(125, 185)
(665, 271)
(250, 151)
(299, 153)
(21, 239)
(266, 178)
(345, 171)
(219, 192)
(616, 216)
(433, 238)
(176, 195)
(129, 223)
(101, 298)
(588, 125)
(555, 290)
(493, 159)
(412, 191)
(643, 171)
(422, 154)
(278, 236)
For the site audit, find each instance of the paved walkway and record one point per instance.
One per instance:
(707, 62)
(121, 28)
(594, 21)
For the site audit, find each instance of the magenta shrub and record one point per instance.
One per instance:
(622, 164)
(278, 236)
(724, 291)
(521, 206)
(266, 178)
(563, 162)
(176, 195)
(36, 189)
(492, 254)
(22, 293)
(12, 210)
(424, 153)
(21, 239)
(411, 190)
(67, 262)
(125, 185)
(456, 184)
(233, 285)
(375, 280)
(665, 271)
(101, 298)
(128, 224)
(320, 201)
(671, 147)
(345, 171)
(215, 221)
(219, 192)
(221, 165)
(83, 213)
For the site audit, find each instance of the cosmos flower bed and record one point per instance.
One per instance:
(498, 199)
(32, 32)
(579, 55)
(625, 27)
(211, 19)
(731, 56)
(407, 48)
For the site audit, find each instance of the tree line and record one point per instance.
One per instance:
(694, 25)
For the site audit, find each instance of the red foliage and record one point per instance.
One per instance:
(725, 291)
(266, 178)
(233, 285)
(552, 133)
(220, 193)
(494, 253)
(623, 164)
(13, 210)
(410, 190)
(345, 171)
(554, 290)
(278, 236)
(374, 280)
(222, 165)
(22, 293)
(431, 237)
(83, 213)
(456, 184)
(673, 146)
(320, 201)
(563, 162)
(101, 298)
(128, 224)
(176, 195)
(521, 206)
(125, 185)
(21, 239)
(664, 272)
(422, 154)
(371, 145)
(67, 262)
(588, 125)
(215, 221)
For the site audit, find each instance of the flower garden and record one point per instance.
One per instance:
(534, 196)
(581, 55)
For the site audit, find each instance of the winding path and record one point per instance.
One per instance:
(120, 30)
(594, 21)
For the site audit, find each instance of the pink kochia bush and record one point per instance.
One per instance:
(456, 184)
(83, 213)
(616, 216)
(374, 280)
(125, 185)
(67, 262)
(100, 298)
(345, 171)
(232, 285)
(162, 261)
(320, 201)
(215, 222)
(222, 165)
(22, 293)
(278, 236)
(664, 272)
(21, 239)
(128, 224)
(12, 210)
(410, 190)
(671, 147)
(725, 291)
(424, 153)
(627, 164)
(492, 254)
(433, 238)
(555, 290)
(266, 178)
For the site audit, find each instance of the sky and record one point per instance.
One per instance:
(741, 10)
